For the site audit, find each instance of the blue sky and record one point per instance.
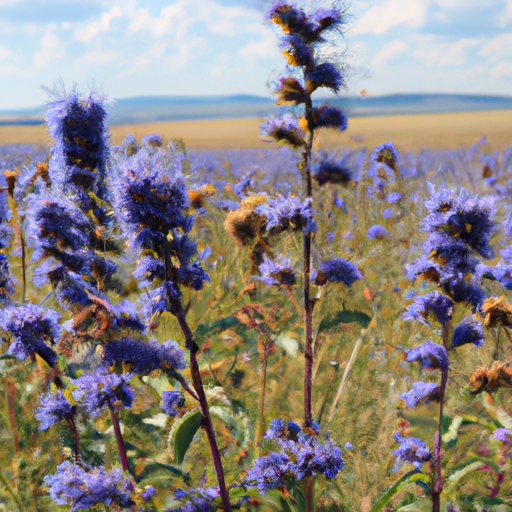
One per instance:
(212, 47)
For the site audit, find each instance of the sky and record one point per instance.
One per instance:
(217, 47)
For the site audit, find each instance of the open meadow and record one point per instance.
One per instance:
(301, 313)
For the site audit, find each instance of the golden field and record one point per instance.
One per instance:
(408, 132)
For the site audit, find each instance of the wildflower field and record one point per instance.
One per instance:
(294, 328)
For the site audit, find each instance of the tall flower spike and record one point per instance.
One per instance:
(429, 355)
(435, 302)
(77, 124)
(30, 328)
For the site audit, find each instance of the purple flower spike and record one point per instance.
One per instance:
(278, 272)
(430, 355)
(284, 129)
(437, 303)
(468, 330)
(504, 435)
(421, 393)
(412, 450)
(378, 232)
(172, 402)
(338, 270)
(73, 486)
(54, 408)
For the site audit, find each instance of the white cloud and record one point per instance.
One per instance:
(87, 31)
(391, 14)
(389, 52)
(432, 52)
(497, 48)
(52, 48)
(265, 48)
(502, 70)
(460, 4)
(504, 18)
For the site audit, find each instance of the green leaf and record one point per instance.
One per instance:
(409, 478)
(423, 505)
(451, 436)
(149, 470)
(497, 414)
(344, 317)
(182, 433)
(454, 480)
(7, 356)
(229, 322)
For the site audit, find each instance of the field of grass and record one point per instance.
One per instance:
(408, 132)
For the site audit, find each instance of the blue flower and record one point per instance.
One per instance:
(30, 328)
(504, 435)
(77, 124)
(430, 355)
(148, 492)
(285, 129)
(103, 389)
(377, 231)
(54, 408)
(468, 330)
(338, 270)
(421, 393)
(324, 75)
(330, 171)
(278, 272)
(153, 140)
(144, 358)
(172, 402)
(298, 52)
(385, 153)
(81, 490)
(435, 302)
(288, 213)
(198, 499)
(412, 450)
(394, 198)
(289, 91)
(269, 472)
(327, 116)
(6, 281)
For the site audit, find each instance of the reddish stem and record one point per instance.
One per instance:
(120, 441)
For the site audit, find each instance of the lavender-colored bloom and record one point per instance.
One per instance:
(412, 450)
(6, 281)
(54, 408)
(468, 330)
(153, 140)
(289, 90)
(297, 51)
(81, 490)
(243, 184)
(434, 302)
(385, 153)
(327, 116)
(429, 355)
(387, 213)
(348, 446)
(30, 328)
(504, 435)
(377, 231)
(394, 198)
(324, 75)
(340, 203)
(284, 129)
(278, 272)
(150, 200)
(126, 316)
(270, 471)
(198, 499)
(144, 358)
(463, 216)
(284, 213)
(506, 254)
(102, 388)
(338, 270)
(148, 492)
(329, 171)
(77, 124)
(421, 393)
(330, 237)
(467, 291)
(160, 299)
(276, 429)
(172, 402)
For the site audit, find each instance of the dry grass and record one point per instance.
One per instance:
(408, 132)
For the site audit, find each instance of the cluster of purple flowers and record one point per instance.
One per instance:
(6, 281)
(81, 490)
(151, 202)
(301, 455)
(54, 408)
(31, 329)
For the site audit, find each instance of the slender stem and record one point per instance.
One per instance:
(328, 390)
(23, 264)
(203, 403)
(438, 485)
(263, 390)
(10, 390)
(308, 304)
(72, 427)
(120, 441)
(184, 384)
(293, 300)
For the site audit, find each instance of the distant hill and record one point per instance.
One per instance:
(147, 109)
